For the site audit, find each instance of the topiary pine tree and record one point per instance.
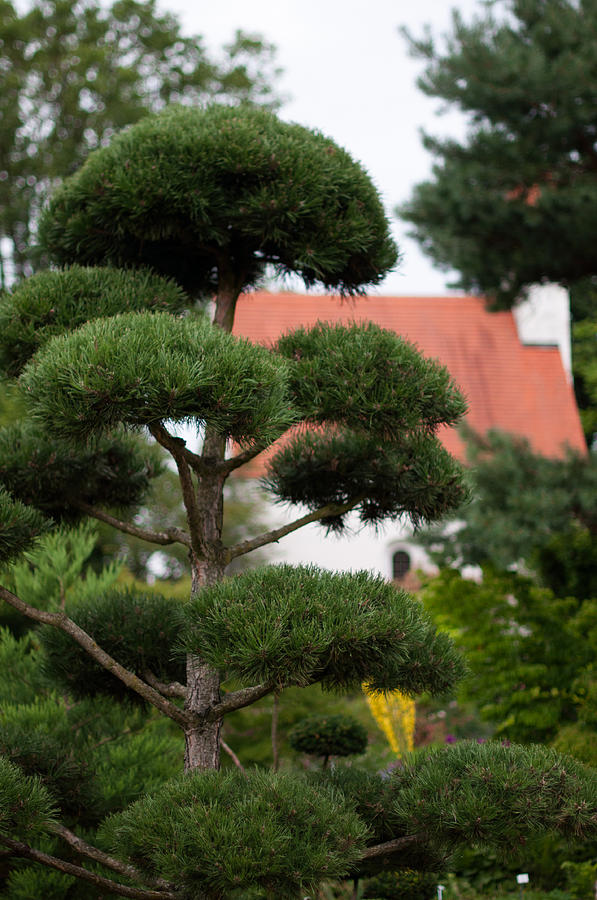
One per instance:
(211, 199)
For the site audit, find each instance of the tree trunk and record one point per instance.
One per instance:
(202, 742)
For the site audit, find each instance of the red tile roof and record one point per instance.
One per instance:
(517, 388)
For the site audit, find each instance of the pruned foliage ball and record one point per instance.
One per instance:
(495, 794)
(138, 630)
(52, 475)
(337, 735)
(302, 625)
(55, 301)
(366, 377)
(141, 368)
(407, 884)
(26, 808)
(20, 526)
(188, 188)
(221, 834)
(411, 475)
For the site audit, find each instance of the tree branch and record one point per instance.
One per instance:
(174, 689)
(235, 462)
(177, 447)
(132, 681)
(112, 887)
(239, 699)
(390, 847)
(85, 849)
(179, 454)
(270, 537)
(232, 755)
(171, 536)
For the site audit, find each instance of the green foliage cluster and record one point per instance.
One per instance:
(141, 368)
(82, 70)
(187, 189)
(223, 835)
(26, 810)
(299, 625)
(138, 629)
(508, 800)
(56, 301)
(20, 526)
(397, 389)
(52, 475)
(337, 735)
(531, 653)
(27, 741)
(411, 475)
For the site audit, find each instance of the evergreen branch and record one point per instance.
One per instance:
(232, 756)
(174, 689)
(112, 887)
(389, 847)
(60, 620)
(239, 699)
(177, 447)
(85, 849)
(171, 536)
(179, 453)
(270, 537)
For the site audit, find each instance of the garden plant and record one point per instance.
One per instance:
(112, 350)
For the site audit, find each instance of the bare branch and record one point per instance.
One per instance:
(239, 699)
(60, 620)
(179, 454)
(270, 537)
(177, 447)
(173, 689)
(112, 887)
(85, 849)
(235, 462)
(232, 755)
(390, 847)
(170, 536)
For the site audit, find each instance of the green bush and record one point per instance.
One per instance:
(329, 736)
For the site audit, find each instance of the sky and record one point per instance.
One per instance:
(348, 73)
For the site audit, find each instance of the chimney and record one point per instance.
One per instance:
(543, 317)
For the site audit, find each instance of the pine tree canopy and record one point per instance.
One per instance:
(140, 368)
(396, 388)
(197, 193)
(411, 475)
(298, 625)
(53, 302)
(439, 789)
(515, 202)
(220, 835)
(53, 475)
(20, 525)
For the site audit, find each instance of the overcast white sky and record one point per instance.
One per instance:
(348, 74)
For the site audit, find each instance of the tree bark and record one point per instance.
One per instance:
(202, 740)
